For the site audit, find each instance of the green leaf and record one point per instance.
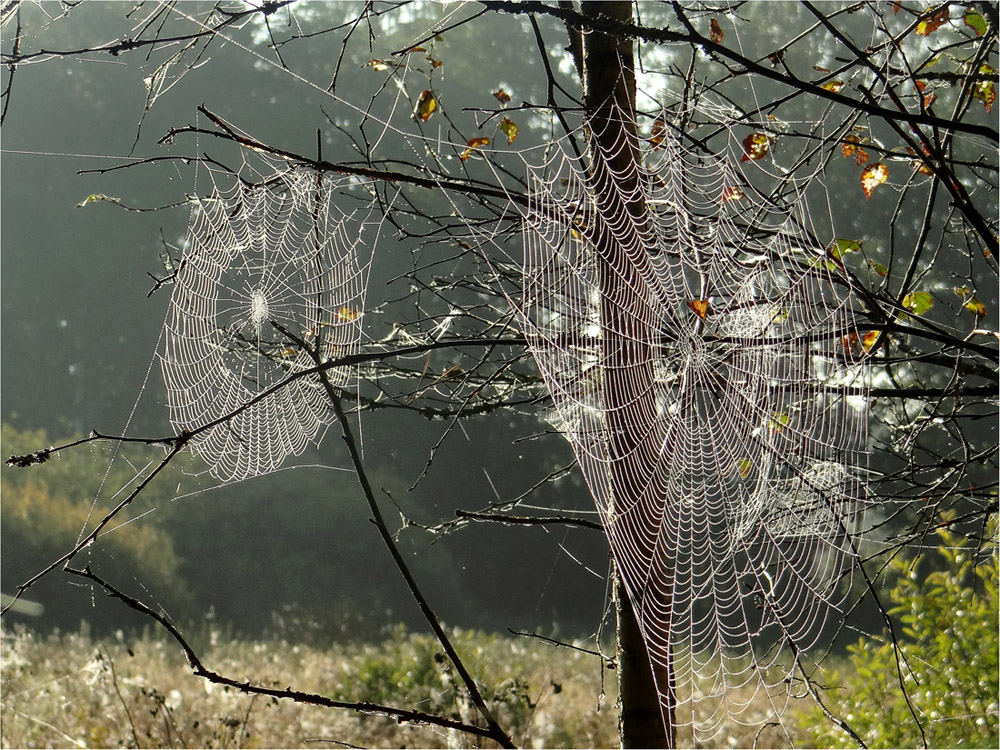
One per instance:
(509, 128)
(778, 422)
(841, 247)
(878, 268)
(918, 302)
(975, 20)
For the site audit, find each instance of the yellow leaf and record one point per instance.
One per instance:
(869, 339)
(509, 128)
(96, 197)
(976, 306)
(918, 302)
(778, 422)
(834, 86)
(872, 176)
(348, 313)
(427, 105)
(986, 90)
(377, 65)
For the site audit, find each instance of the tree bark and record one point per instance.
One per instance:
(609, 98)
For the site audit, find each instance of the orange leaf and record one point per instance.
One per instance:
(896, 5)
(427, 105)
(931, 22)
(733, 194)
(658, 133)
(869, 339)
(699, 306)
(715, 32)
(919, 164)
(872, 176)
(501, 96)
(509, 128)
(474, 143)
(348, 313)
(851, 146)
(849, 342)
(755, 146)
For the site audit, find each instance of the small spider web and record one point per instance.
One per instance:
(270, 279)
(702, 365)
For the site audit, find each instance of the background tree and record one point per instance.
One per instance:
(808, 108)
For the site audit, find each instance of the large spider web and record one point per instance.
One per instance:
(270, 284)
(700, 363)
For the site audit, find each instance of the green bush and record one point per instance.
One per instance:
(949, 646)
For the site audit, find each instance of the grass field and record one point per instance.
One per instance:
(71, 690)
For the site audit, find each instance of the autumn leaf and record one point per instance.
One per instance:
(896, 5)
(657, 133)
(974, 19)
(928, 99)
(473, 144)
(833, 86)
(744, 466)
(851, 146)
(878, 268)
(755, 146)
(918, 302)
(715, 32)
(501, 96)
(919, 164)
(872, 176)
(427, 105)
(699, 306)
(986, 90)
(841, 247)
(733, 194)
(778, 422)
(348, 313)
(377, 65)
(869, 339)
(931, 22)
(509, 128)
(434, 63)
(970, 301)
(97, 197)
(288, 352)
(848, 342)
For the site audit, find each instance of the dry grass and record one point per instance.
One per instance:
(75, 691)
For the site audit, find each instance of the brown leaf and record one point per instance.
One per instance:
(733, 194)
(872, 176)
(700, 307)
(715, 32)
(501, 96)
(851, 146)
(658, 133)
(931, 22)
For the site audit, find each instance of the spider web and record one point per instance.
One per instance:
(269, 284)
(700, 364)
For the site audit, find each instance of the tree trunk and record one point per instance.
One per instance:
(609, 93)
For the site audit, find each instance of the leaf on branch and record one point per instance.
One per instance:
(473, 144)
(932, 21)
(434, 63)
(427, 105)
(833, 86)
(509, 128)
(755, 146)
(841, 247)
(918, 302)
(733, 194)
(744, 466)
(501, 96)
(97, 197)
(848, 342)
(970, 301)
(700, 307)
(715, 32)
(928, 99)
(919, 164)
(851, 146)
(986, 91)
(377, 65)
(872, 176)
(896, 5)
(878, 268)
(974, 19)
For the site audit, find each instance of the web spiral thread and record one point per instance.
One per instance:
(269, 282)
(697, 346)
